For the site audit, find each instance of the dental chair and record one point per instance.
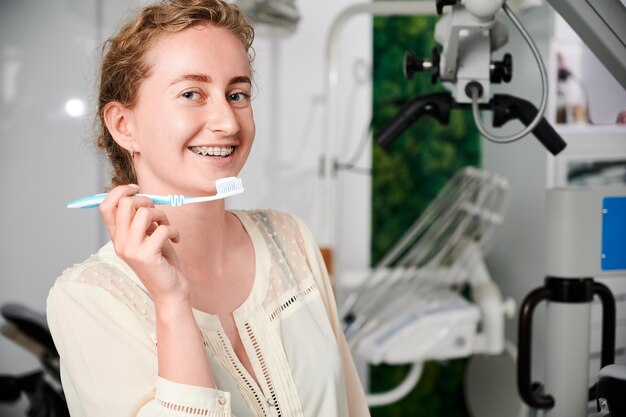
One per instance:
(42, 387)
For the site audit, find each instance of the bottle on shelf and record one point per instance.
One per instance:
(572, 100)
(561, 90)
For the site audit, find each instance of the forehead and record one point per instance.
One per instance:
(198, 48)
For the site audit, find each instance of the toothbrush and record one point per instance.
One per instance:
(225, 187)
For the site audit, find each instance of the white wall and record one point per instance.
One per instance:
(289, 109)
(48, 52)
(517, 259)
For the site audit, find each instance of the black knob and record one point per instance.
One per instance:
(412, 64)
(502, 70)
(434, 70)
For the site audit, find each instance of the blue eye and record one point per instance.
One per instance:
(191, 95)
(240, 96)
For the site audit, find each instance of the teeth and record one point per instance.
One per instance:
(212, 150)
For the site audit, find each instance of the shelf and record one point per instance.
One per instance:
(586, 129)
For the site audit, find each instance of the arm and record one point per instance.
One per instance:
(181, 353)
(108, 358)
(143, 238)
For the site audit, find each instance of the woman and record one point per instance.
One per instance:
(194, 310)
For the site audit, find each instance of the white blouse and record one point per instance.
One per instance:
(103, 324)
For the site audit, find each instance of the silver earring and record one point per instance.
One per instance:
(132, 152)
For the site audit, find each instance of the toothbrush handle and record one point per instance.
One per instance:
(93, 201)
(164, 199)
(88, 202)
(179, 200)
(170, 200)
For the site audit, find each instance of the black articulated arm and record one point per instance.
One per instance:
(438, 106)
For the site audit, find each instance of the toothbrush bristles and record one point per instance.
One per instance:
(225, 185)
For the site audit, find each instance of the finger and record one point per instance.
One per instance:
(153, 227)
(161, 241)
(144, 223)
(125, 214)
(108, 207)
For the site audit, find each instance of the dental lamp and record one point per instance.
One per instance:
(469, 33)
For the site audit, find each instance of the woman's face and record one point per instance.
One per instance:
(193, 122)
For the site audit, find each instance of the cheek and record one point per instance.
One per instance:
(172, 128)
(249, 126)
(252, 133)
(248, 132)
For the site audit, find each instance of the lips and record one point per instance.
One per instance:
(214, 151)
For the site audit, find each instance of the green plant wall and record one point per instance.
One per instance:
(406, 177)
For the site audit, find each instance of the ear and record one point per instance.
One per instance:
(118, 120)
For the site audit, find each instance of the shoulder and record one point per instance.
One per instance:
(102, 287)
(102, 278)
(99, 269)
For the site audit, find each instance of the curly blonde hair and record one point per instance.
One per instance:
(124, 64)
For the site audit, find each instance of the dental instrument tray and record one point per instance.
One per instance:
(435, 323)
(411, 307)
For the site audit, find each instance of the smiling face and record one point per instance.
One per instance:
(192, 123)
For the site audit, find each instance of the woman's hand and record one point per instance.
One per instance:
(143, 237)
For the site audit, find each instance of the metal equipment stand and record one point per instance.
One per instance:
(586, 234)
(568, 333)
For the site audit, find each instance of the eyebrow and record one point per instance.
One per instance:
(240, 79)
(203, 78)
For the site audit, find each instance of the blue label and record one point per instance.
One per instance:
(613, 233)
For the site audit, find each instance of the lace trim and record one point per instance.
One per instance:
(266, 374)
(192, 410)
(291, 301)
(242, 376)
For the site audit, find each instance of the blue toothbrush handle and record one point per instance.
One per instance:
(226, 187)
(88, 202)
(93, 201)
(159, 199)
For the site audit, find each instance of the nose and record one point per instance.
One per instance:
(222, 118)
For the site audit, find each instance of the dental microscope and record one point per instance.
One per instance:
(469, 33)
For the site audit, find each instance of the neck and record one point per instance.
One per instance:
(204, 230)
